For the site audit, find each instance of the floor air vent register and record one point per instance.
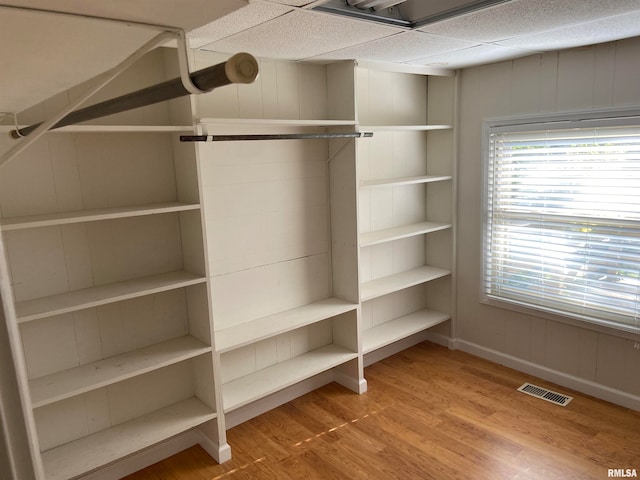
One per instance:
(544, 394)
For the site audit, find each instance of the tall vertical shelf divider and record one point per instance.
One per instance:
(285, 311)
(102, 231)
(405, 203)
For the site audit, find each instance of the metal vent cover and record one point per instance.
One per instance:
(544, 394)
(410, 14)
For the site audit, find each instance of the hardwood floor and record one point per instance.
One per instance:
(430, 413)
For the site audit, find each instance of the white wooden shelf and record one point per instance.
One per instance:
(244, 390)
(399, 328)
(123, 129)
(400, 181)
(94, 296)
(265, 327)
(58, 386)
(403, 128)
(400, 281)
(88, 453)
(81, 216)
(110, 128)
(403, 231)
(275, 122)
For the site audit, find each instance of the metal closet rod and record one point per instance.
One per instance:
(241, 68)
(276, 136)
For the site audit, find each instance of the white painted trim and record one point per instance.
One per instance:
(347, 381)
(453, 330)
(146, 457)
(219, 452)
(566, 380)
(27, 462)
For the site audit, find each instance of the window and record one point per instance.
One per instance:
(562, 226)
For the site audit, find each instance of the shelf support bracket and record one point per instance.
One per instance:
(185, 68)
(100, 82)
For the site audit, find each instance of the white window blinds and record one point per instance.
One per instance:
(563, 222)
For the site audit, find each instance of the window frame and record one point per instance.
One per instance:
(580, 119)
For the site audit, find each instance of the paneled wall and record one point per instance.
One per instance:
(603, 76)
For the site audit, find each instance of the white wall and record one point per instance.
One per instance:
(596, 77)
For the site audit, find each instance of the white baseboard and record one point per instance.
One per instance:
(220, 453)
(146, 457)
(353, 384)
(564, 379)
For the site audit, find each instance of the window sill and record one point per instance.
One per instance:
(630, 334)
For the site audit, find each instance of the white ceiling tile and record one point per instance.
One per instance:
(186, 14)
(301, 34)
(398, 48)
(527, 17)
(471, 56)
(600, 31)
(251, 15)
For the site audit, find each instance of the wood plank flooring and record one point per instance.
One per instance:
(430, 413)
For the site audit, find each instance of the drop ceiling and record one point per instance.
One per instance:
(291, 29)
(43, 54)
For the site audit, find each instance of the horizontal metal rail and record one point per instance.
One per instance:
(241, 68)
(276, 136)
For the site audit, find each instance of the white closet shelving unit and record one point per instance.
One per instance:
(102, 230)
(165, 287)
(282, 312)
(405, 202)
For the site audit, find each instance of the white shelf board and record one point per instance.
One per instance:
(244, 390)
(110, 128)
(400, 281)
(75, 381)
(123, 129)
(265, 327)
(403, 128)
(397, 182)
(399, 328)
(275, 122)
(403, 231)
(81, 216)
(93, 451)
(94, 296)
